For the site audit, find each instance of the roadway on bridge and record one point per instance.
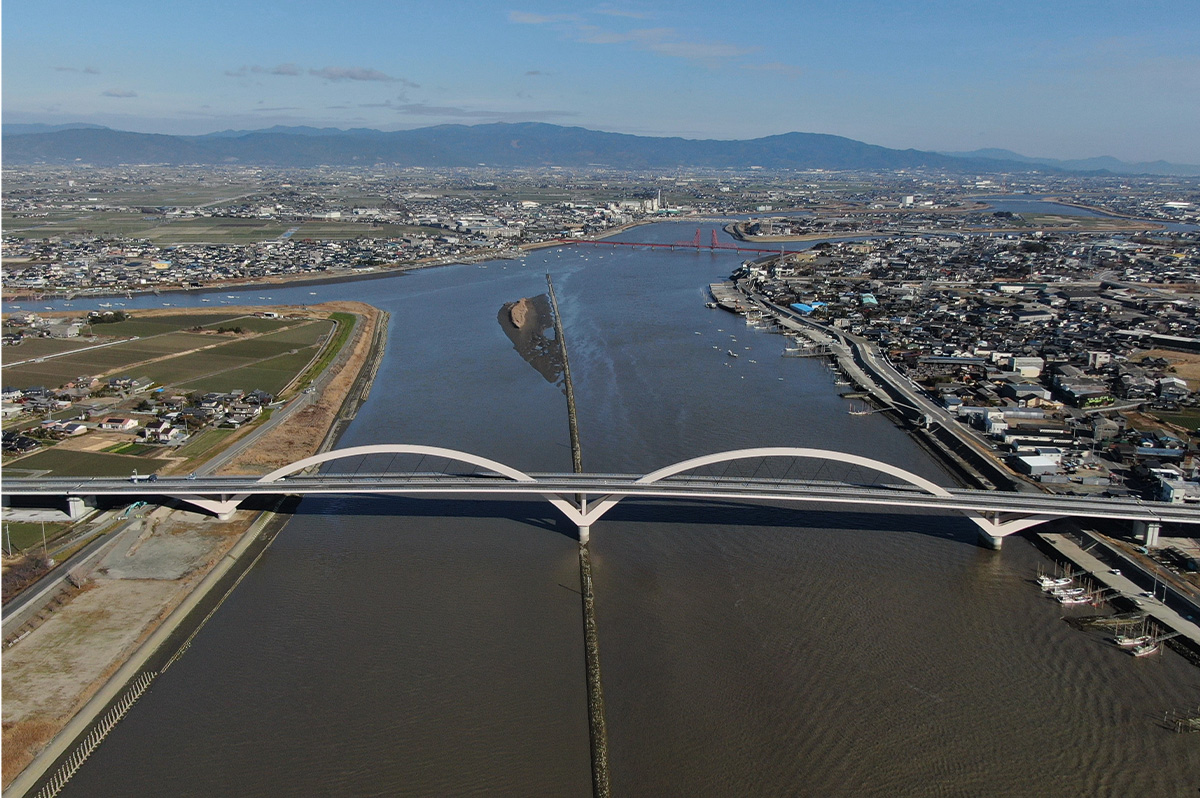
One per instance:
(623, 485)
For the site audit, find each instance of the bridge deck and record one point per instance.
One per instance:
(622, 485)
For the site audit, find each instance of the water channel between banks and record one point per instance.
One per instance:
(387, 646)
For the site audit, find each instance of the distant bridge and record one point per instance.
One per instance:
(585, 498)
(695, 243)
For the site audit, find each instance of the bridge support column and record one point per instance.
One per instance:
(585, 534)
(990, 541)
(79, 506)
(1147, 532)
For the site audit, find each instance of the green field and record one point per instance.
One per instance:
(56, 371)
(154, 325)
(217, 231)
(228, 352)
(21, 535)
(251, 324)
(40, 347)
(271, 375)
(345, 325)
(1189, 419)
(61, 462)
(203, 442)
(243, 359)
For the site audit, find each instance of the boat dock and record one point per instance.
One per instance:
(1123, 586)
(729, 298)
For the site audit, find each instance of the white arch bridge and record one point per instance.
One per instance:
(585, 498)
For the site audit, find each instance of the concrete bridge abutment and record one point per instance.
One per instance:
(1147, 532)
(79, 506)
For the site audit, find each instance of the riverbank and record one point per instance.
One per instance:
(955, 449)
(145, 591)
(376, 273)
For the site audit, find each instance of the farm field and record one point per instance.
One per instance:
(198, 370)
(202, 442)
(40, 347)
(161, 336)
(199, 230)
(183, 353)
(271, 375)
(63, 462)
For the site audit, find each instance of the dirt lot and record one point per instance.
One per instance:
(54, 670)
(1186, 364)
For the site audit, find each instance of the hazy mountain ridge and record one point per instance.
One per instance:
(498, 144)
(1103, 162)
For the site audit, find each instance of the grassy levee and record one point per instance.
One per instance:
(345, 325)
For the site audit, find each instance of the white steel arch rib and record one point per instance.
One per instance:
(584, 518)
(231, 504)
(991, 528)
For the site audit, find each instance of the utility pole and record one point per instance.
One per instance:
(45, 548)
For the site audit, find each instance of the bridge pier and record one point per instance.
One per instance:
(1147, 532)
(585, 534)
(79, 506)
(990, 541)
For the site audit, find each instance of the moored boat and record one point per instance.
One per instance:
(1132, 642)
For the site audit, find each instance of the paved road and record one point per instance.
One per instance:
(599, 485)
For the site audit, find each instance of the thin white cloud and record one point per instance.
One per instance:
(357, 73)
(458, 112)
(119, 93)
(525, 18)
(776, 67)
(667, 42)
(86, 70)
(290, 70)
(332, 73)
(619, 12)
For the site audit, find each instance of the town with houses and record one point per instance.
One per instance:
(1070, 343)
(1075, 357)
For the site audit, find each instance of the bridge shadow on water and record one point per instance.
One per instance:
(634, 512)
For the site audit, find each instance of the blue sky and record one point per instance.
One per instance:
(1059, 78)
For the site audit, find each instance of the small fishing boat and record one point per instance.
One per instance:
(731, 353)
(1132, 642)
(1145, 650)
(1048, 582)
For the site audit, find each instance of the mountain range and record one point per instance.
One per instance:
(498, 144)
(1105, 163)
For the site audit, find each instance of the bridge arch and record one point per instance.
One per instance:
(226, 507)
(604, 505)
(992, 529)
